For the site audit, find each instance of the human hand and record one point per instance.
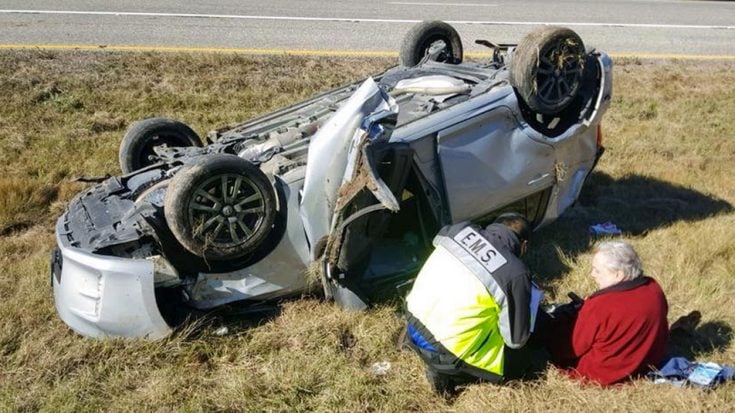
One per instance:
(568, 310)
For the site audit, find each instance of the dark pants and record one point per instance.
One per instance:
(527, 362)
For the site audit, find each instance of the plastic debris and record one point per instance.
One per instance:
(607, 228)
(705, 374)
(380, 368)
(672, 382)
(222, 331)
(679, 372)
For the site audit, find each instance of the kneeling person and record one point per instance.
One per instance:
(470, 301)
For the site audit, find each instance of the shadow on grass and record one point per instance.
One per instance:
(236, 316)
(243, 316)
(636, 204)
(707, 338)
(221, 321)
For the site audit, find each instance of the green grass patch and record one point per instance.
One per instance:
(665, 179)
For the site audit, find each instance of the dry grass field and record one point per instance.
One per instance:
(666, 180)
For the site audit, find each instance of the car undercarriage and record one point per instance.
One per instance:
(354, 182)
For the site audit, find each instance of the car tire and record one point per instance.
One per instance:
(422, 36)
(546, 68)
(221, 207)
(137, 146)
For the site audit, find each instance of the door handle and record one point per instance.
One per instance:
(538, 180)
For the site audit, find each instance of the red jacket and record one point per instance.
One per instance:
(619, 331)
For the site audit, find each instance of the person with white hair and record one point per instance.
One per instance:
(620, 330)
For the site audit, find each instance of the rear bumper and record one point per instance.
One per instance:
(104, 296)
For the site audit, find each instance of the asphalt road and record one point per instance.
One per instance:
(623, 27)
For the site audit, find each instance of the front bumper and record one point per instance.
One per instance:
(104, 296)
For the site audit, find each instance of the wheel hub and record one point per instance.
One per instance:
(555, 79)
(226, 210)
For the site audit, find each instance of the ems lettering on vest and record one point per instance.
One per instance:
(480, 248)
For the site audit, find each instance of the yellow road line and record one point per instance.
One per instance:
(683, 56)
(198, 49)
(632, 55)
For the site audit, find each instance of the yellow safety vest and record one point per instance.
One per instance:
(465, 319)
(472, 298)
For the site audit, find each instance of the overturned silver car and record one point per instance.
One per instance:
(356, 182)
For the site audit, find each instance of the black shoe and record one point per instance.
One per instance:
(686, 324)
(442, 384)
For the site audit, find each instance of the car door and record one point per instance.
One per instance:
(487, 162)
(331, 158)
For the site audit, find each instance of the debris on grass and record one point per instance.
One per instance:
(380, 368)
(607, 228)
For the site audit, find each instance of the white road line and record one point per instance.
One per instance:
(361, 20)
(408, 3)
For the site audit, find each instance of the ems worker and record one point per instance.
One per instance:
(470, 302)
